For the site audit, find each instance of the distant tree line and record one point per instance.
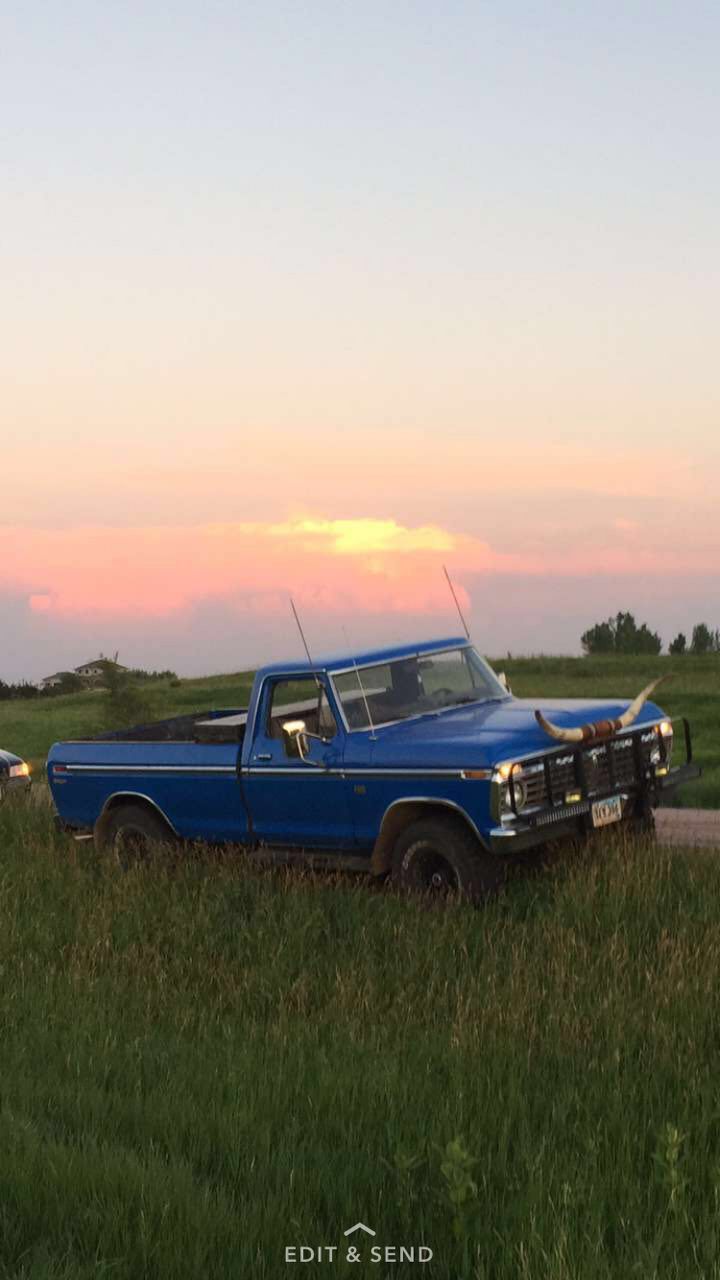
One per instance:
(704, 640)
(137, 673)
(622, 634)
(70, 682)
(21, 690)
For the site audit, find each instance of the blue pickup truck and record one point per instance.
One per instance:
(415, 760)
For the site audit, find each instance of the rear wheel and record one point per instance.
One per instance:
(442, 858)
(130, 832)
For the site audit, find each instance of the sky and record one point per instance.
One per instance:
(314, 298)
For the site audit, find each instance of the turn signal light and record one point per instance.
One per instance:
(505, 770)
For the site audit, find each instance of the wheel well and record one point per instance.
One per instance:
(134, 797)
(404, 812)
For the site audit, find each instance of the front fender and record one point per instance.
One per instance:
(401, 813)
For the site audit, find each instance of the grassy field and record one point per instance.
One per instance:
(203, 1063)
(30, 728)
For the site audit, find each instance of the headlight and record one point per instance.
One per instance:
(502, 779)
(20, 770)
(520, 795)
(657, 755)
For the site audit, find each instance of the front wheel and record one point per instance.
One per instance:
(442, 858)
(641, 821)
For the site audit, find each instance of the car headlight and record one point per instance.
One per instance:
(20, 770)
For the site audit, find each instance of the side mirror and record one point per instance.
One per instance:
(504, 682)
(295, 739)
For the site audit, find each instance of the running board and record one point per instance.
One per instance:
(330, 861)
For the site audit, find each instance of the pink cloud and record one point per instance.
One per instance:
(365, 564)
(41, 603)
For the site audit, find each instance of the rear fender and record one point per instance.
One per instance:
(119, 797)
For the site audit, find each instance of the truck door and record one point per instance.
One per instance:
(302, 803)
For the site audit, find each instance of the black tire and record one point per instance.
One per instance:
(641, 822)
(441, 857)
(130, 833)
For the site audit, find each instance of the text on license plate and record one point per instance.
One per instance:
(607, 811)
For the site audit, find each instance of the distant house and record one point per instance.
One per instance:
(90, 673)
(52, 682)
(98, 668)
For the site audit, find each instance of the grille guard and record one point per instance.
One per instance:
(645, 777)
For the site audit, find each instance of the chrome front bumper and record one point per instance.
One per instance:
(568, 820)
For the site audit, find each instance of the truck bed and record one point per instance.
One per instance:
(199, 726)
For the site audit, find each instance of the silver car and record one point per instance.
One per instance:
(14, 774)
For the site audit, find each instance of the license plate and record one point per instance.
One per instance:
(606, 811)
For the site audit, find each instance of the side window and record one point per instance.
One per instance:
(359, 690)
(300, 700)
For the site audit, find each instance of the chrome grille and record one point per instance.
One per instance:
(607, 767)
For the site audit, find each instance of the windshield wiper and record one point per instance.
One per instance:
(476, 697)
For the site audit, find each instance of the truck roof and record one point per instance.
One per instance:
(367, 657)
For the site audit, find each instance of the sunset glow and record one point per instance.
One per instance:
(302, 321)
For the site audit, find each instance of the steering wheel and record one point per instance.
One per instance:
(439, 693)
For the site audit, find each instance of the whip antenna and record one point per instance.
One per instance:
(361, 687)
(305, 643)
(457, 602)
(364, 698)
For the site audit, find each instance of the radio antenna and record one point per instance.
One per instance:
(361, 686)
(457, 602)
(305, 643)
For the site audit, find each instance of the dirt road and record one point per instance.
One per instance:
(696, 827)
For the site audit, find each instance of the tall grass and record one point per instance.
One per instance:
(203, 1063)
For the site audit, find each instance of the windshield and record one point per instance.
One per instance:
(415, 685)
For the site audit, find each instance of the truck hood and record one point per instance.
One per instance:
(483, 734)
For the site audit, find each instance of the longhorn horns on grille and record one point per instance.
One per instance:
(603, 728)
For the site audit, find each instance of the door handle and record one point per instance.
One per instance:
(265, 756)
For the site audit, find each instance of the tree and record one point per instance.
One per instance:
(621, 634)
(679, 644)
(127, 703)
(599, 639)
(702, 639)
(69, 683)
